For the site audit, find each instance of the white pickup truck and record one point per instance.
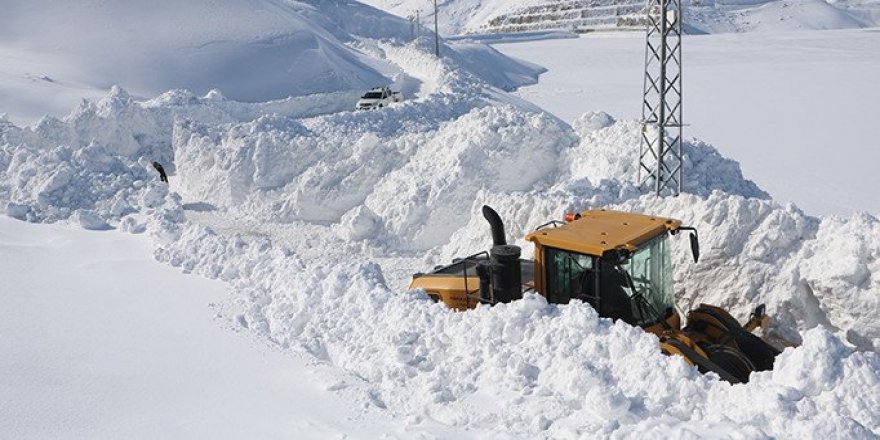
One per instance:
(377, 98)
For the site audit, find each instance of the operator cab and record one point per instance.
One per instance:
(617, 262)
(636, 288)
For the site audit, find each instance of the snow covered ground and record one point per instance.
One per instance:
(101, 341)
(315, 217)
(796, 109)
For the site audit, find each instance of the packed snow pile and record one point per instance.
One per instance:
(317, 219)
(526, 368)
(90, 167)
(284, 169)
(329, 172)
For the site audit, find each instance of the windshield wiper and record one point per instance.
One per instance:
(644, 306)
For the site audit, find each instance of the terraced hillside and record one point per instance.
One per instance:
(574, 15)
(458, 17)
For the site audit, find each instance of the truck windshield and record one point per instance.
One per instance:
(649, 281)
(373, 95)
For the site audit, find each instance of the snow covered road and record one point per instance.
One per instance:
(98, 340)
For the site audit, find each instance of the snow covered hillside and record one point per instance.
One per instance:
(251, 50)
(492, 16)
(315, 216)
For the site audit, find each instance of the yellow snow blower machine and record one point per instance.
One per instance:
(620, 264)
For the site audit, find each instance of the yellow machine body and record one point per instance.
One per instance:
(712, 340)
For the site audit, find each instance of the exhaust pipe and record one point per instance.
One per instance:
(497, 225)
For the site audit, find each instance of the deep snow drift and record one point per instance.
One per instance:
(316, 220)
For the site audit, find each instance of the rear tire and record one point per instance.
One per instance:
(731, 360)
(758, 351)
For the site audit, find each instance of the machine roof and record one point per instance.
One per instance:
(601, 230)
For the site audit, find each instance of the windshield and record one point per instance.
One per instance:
(373, 95)
(649, 281)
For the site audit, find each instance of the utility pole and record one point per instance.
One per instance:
(418, 23)
(436, 33)
(661, 159)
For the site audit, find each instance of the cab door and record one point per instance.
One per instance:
(570, 275)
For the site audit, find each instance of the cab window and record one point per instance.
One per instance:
(569, 275)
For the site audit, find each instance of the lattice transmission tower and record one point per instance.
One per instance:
(660, 154)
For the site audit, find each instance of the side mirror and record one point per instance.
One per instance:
(695, 246)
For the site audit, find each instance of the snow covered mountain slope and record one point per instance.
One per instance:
(776, 15)
(251, 50)
(456, 16)
(701, 16)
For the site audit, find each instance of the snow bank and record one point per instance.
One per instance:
(753, 249)
(495, 68)
(840, 267)
(317, 169)
(495, 149)
(91, 183)
(399, 179)
(525, 369)
(530, 368)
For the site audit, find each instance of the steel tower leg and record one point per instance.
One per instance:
(660, 152)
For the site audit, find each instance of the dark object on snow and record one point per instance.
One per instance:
(162, 175)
